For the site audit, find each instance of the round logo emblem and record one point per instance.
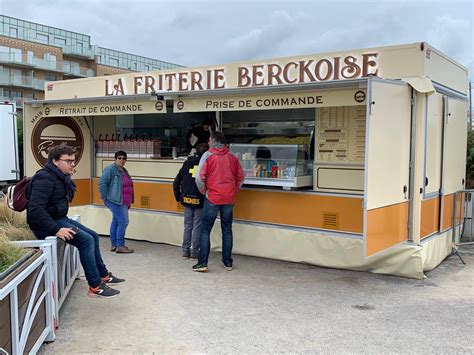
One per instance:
(359, 96)
(180, 105)
(159, 106)
(52, 131)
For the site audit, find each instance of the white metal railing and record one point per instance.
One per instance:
(20, 331)
(462, 221)
(63, 275)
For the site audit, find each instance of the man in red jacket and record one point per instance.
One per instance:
(219, 177)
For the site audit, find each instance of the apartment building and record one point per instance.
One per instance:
(32, 54)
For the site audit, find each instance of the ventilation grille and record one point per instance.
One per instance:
(330, 220)
(145, 201)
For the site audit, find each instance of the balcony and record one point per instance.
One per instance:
(22, 81)
(67, 68)
(14, 59)
(50, 65)
(74, 70)
(17, 100)
(78, 51)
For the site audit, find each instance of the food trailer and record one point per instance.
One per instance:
(351, 158)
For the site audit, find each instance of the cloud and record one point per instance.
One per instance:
(257, 42)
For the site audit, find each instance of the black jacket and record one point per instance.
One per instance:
(184, 185)
(48, 201)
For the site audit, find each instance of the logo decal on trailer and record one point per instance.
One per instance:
(52, 131)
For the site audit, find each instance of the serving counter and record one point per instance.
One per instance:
(164, 169)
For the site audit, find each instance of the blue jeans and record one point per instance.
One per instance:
(192, 230)
(87, 241)
(119, 223)
(209, 215)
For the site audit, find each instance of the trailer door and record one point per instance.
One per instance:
(454, 167)
(387, 165)
(9, 145)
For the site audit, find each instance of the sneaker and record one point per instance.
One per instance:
(228, 268)
(111, 279)
(185, 257)
(194, 257)
(200, 268)
(124, 250)
(102, 291)
(113, 249)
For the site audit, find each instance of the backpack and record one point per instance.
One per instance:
(17, 198)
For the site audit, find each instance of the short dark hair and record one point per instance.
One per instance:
(219, 137)
(202, 148)
(263, 153)
(120, 153)
(208, 122)
(56, 152)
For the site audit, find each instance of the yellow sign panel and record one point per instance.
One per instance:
(105, 109)
(343, 97)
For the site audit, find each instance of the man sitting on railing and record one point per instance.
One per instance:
(49, 194)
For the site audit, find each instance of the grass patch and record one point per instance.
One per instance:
(13, 224)
(9, 252)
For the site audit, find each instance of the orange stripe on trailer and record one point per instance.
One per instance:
(429, 217)
(277, 207)
(83, 192)
(386, 227)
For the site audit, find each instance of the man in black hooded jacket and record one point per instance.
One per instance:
(187, 193)
(50, 192)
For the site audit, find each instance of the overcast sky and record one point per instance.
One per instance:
(200, 32)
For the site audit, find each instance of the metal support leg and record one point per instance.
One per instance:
(456, 251)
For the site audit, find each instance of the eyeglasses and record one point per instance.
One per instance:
(121, 158)
(69, 161)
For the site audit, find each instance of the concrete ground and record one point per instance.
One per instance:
(267, 306)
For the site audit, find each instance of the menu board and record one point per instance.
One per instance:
(340, 134)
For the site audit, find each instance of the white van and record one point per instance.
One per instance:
(9, 167)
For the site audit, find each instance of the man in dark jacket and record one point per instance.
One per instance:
(187, 193)
(50, 192)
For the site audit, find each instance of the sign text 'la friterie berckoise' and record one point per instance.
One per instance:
(258, 75)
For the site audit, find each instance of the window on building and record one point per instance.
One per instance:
(42, 38)
(59, 41)
(15, 54)
(4, 51)
(31, 57)
(75, 68)
(13, 32)
(146, 67)
(113, 62)
(50, 77)
(11, 93)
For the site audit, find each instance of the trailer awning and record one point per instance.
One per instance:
(420, 84)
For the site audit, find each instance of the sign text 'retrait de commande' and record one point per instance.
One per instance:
(258, 75)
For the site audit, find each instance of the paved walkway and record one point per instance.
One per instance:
(267, 306)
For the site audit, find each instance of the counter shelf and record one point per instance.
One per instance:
(284, 165)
